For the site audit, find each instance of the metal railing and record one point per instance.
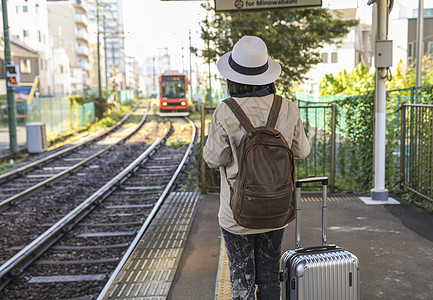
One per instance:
(416, 149)
(203, 167)
(320, 127)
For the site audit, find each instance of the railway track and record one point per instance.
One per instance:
(37, 160)
(35, 175)
(76, 256)
(28, 213)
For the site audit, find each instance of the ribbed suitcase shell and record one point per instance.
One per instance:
(320, 275)
(325, 272)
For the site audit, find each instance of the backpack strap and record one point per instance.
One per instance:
(274, 112)
(240, 114)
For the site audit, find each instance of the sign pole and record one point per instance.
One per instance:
(379, 192)
(419, 42)
(12, 116)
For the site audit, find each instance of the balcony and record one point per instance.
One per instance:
(85, 65)
(82, 50)
(81, 34)
(81, 19)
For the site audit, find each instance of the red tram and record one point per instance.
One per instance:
(173, 89)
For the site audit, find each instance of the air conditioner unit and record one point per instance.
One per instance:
(36, 137)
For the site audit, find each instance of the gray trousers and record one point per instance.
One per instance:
(254, 260)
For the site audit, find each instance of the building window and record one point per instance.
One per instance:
(410, 53)
(428, 12)
(324, 58)
(39, 36)
(430, 50)
(334, 57)
(26, 33)
(42, 64)
(25, 66)
(21, 8)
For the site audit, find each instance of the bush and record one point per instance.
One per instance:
(101, 106)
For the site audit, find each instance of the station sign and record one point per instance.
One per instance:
(236, 5)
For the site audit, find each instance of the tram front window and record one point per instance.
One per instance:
(173, 87)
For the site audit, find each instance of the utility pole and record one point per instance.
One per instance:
(12, 115)
(153, 75)
(114, 74)
(99, 54)
(190, 67)
(105, 55)
(419, 42)
(379, 192)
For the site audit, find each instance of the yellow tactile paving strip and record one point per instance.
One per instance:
(222, 291)
(149, 272)
(223, 279)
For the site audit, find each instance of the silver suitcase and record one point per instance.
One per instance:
(325, 272)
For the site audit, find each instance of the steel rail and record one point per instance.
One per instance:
(152, 214)
(52, 179)
(31, 166)
(16, 265)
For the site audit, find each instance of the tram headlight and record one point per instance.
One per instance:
(164, 103)
(183, 103)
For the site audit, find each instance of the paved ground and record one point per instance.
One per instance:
(394, 244)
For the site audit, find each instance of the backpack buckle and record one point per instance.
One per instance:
(277, 135)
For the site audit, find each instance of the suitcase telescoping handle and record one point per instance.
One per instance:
(299, 184)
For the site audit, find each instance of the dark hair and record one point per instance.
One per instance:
(235, 88)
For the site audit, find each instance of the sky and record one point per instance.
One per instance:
(153, 24)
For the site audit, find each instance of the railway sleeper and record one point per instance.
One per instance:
(67, 278)
(89, 247)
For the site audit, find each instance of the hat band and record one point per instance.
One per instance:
(246, 70)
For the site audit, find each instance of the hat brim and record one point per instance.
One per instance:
(270, 75)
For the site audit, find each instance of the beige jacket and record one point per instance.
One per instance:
(225, 134)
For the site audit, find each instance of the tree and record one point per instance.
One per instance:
(294, 37)
(357, 82)
(361, 81)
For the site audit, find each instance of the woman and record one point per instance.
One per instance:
(253, 253)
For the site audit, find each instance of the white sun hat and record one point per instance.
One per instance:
(249, 63)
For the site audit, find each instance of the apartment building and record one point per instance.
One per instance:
(353, 49)
(112, 44)
(28, 25)
(132, 73)
(427, 44)
(68, 27)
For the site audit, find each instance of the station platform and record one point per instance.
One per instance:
(394, 244)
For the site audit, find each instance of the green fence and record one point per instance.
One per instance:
(126, 96)
(123, 97)
(416, 157)
(340, 131)
(354, 134)
(57, 113)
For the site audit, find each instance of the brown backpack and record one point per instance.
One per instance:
(263, 195)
